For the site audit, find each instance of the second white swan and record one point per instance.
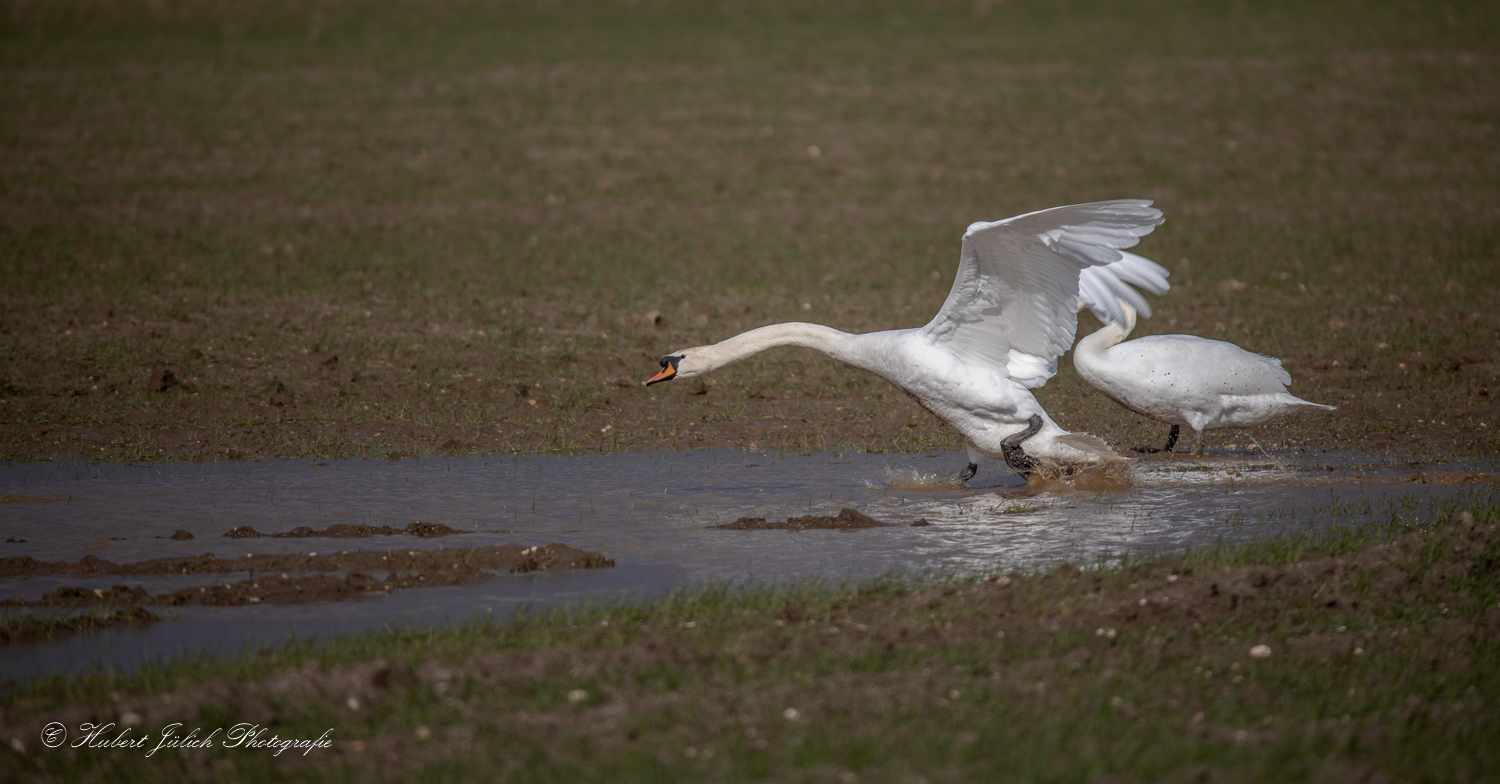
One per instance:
(1185, 380)
(1011, 313)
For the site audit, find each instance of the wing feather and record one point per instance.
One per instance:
(1013, 305)
(1100, 287)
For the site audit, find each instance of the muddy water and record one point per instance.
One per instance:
(655, 514)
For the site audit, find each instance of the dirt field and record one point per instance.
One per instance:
(313, 231)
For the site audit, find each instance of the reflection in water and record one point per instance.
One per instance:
(650, 512)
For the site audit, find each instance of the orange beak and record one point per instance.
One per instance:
(666, 374)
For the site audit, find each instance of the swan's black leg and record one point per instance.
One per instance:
(968, 473)
(1015, 456)
(1151, 450)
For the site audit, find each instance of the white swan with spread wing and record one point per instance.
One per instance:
(1011, 313)
(1184, 379)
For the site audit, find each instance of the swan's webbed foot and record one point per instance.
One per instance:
(1015, 456)
(968, 473)
(1151, 450)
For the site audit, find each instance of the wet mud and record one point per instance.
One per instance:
(26, 499)
(72, 596)
(845, 520)
(1051, 477)
(1453, 477)
(495, 558)
(272, 589)
(281, 582)
(368, 573)
(283, 589)
(21, 630)
(419, 529)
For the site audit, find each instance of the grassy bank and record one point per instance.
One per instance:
(1380, 650)
(278, 229)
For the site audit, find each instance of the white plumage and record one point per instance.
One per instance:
(1185, 380)
(1011, 313)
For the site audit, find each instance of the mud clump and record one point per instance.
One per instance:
(181, 535)
(421, 529)
(502, 558)
(845, 520)
(69, 596)
(275, 590)
(27, 499)
(162, 379)
(22, 630)
(283, 579)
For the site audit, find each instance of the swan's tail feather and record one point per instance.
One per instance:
(1297, 401)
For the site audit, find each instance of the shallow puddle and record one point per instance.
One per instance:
(657, 515)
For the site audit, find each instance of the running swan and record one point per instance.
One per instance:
(1185, 379)
(1011, 313)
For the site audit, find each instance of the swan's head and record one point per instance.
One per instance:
(682, 364)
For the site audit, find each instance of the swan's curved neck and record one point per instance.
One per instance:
(1106, 338)
(839, 345)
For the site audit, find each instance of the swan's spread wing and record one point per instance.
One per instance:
(1100, 288)
(1014, 302)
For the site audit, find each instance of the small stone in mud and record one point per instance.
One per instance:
(920, 523)
(846, 519)
(242, 532)
(182, 535)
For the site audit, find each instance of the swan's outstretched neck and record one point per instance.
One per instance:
(838, 345)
